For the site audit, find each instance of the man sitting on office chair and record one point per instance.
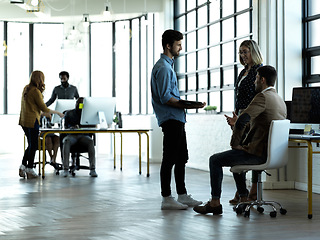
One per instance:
(266, 106)
(72, 120)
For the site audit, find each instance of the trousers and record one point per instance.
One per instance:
(229, 159)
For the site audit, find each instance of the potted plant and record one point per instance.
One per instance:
(210, 109)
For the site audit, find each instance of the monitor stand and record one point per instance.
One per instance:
(102, 120)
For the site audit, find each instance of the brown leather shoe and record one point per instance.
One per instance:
(235, 200)
(208, 209)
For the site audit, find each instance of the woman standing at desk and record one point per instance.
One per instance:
(251, 58)
(31, 106)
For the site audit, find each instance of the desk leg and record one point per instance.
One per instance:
(139, 153)
(114, 150)
(39, 150)
(310, 152)
(121, 151)
(43, 154)
(148, 174)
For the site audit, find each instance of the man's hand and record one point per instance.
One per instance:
(238, 148)
(231, 120)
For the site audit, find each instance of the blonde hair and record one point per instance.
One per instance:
(36, 80)
(256, 54)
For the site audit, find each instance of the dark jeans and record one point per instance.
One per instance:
(175, 153)
(32, 135)
(229, 159)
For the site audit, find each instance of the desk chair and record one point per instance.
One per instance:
(277, 158)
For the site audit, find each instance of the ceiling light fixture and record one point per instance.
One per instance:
(85, 20)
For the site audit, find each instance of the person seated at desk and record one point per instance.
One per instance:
(72, 121)
(266, 106)
(52, 140)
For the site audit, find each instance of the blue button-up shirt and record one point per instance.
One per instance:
(163, 87)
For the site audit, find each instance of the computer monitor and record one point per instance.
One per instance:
(61, 106)
(98, 110)
(305, 105)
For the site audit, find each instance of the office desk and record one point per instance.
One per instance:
(308, 140)
(45, 131)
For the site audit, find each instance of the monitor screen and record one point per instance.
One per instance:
(305, 105)
(97, 109)
(61, 106)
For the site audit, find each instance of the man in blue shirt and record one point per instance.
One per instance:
(170, 113)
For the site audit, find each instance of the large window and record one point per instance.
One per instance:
(311, 48)
(208, 66)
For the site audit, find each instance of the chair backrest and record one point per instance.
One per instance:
(277, 148)
(278, 144)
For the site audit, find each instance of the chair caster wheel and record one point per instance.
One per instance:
(57, 173)
(238, 210)
(273, 214)
(247, 213)
(73, 174)
(260, 209)
(283, 211)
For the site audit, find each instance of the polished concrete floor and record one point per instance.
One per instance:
(126, 205)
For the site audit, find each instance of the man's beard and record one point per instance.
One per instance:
(65, 84)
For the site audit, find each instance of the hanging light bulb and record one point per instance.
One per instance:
(85, 20)
(34, 3)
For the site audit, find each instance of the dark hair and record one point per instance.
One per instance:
(269, 73)
(169, 37)
(64, 73)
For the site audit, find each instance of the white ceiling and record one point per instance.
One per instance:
(73, 10)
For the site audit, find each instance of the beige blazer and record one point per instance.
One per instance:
(265, 107)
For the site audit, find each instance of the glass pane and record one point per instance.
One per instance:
(135, 67)
(3, 53)
(227, 29)
(202, 16)
(48, 42)
(180, 64)
(242, 4)
(191, 23)
(314, 36)
(215, 33)
(315, 63)
(143, 70)
(101, 57)
(191, 4)
(228, 76)
(200, 2)
(227, 53)
(18, 59)
(227, 7)
(202, 59)
(314, 7)
(191, 41)
(181, 24)
(202, 38)
(243, 24)
(214, 10)
(228, 100)
(203, 80)
(122, 62)
(191, 62)
(214, 98)
(182, 84)
(180, 6)
(215, 78)
(192, 84)
(214, 56)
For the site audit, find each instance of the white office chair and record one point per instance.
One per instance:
(277, 158)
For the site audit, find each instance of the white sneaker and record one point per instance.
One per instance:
(168, 203)
(22, 171)
(65, 173)
(188, 200)
(31, 173)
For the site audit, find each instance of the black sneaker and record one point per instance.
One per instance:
(208, 209)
